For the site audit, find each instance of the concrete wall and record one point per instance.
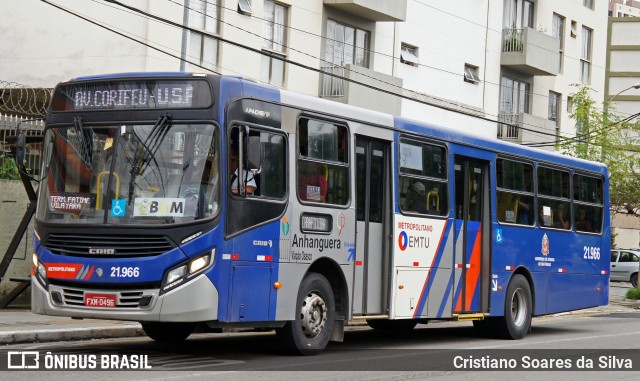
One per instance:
(13, 204)
(627, 229)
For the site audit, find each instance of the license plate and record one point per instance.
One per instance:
(100, 300)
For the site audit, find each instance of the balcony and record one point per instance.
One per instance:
(531, 52)
(334, 87)
(519, 128)
(374, 10)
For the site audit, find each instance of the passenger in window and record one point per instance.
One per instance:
(416, 198)
(312, 183)
(512, 210)
(582, 223)
(248, 183)
(562, 220)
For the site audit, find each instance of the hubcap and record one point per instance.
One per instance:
(313, 314)
(518, 307)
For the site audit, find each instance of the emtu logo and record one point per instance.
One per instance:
(403, 240)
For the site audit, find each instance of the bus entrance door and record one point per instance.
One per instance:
(370, 291)
(471, 265)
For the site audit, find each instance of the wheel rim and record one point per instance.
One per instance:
(519, 307)
(313, 314)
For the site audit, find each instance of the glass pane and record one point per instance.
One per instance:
(423, 196)
(422, 159)
(587, 189)
(277, 72)
(553, 183)
(330, 42)
(210, 52)
(349, 45)
(265, 68)
(319, 182)
(132, 174)
(514, 175)
(362, 46)
(322, 140)
(271, 180)
(195, 47)
(278, 28)
(554, 214)
(338, 58)
(376, 184)
(197, 14)
(588, 218)
(211, 17)
(515, 209)
(361, 167)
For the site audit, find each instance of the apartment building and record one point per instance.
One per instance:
(624, 8)
(499, 69)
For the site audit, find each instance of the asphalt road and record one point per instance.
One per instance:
(608, 336)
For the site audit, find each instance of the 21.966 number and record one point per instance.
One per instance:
(125, 272)
(591, 252)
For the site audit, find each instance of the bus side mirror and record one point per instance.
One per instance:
(20, 149)
(254, 154)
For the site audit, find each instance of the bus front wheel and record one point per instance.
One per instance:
(315, 317)
(516, 322)
(168, 332)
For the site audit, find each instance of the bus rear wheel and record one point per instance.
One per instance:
(168, 332)
(315, 319)
(516, 322)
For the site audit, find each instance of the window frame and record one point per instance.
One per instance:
(409, 55)
(577, 203)
(531, 193)
(330, 40)
(469, 74)
(567, 200)
(432, 179)
(272, 47)
(346, 164)
(262, 129)
(586, 54)
(204, 17)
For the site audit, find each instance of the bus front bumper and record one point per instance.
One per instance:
(195, 301)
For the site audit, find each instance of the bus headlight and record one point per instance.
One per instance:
(41, 270)
(185, 271)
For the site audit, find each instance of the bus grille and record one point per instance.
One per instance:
(124, 299)
(107, 246)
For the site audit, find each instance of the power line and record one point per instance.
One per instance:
(148, 15)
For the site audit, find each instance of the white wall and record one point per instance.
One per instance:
(42, 45)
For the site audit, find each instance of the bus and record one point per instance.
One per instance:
(195, 202)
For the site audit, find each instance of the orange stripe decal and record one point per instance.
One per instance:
(473, 273)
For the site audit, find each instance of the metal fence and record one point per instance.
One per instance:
(32, 129)
(508, 126)
(512, 40)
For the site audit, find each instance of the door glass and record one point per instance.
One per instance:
(376, 183)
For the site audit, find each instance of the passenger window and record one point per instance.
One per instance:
(323, 168)
(423, 178)
(554, 206)
(614, 256)
(515, 192)
(588, 203)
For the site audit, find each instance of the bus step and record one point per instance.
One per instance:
(370, 317)
(468, 317)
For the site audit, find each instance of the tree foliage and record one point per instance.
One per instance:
(8, 168)
(608, 138)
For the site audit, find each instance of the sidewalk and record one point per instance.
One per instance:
(22, 326)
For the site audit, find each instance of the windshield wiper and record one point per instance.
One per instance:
(142, 159)
(85, 149)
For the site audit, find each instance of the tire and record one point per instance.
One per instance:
(634, 280)
(168, 332)
(403, 325)
(516, 322)
(315, 320)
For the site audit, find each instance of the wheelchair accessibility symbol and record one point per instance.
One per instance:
(118, 208)
(499, 235)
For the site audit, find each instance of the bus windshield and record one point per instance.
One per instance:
(160, 173)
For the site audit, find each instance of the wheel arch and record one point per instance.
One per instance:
(521, 270)
(334, 274)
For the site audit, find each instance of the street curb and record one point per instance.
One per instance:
(108, 332)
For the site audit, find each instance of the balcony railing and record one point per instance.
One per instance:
(332, 87)
(508, 126)
(513, 40)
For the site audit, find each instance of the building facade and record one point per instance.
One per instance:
(510, 61)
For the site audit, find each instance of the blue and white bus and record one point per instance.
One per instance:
(190, 201)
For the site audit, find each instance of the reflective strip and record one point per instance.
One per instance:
(509, 268)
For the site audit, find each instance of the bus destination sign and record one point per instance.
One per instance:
(126, 95)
